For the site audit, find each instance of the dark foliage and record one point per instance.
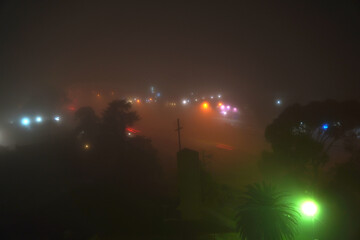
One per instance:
(302, 136)
(265, 214)
(55, 188)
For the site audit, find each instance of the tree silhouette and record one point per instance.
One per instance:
(88, 123)
(61, 187)
(302, 136)
(117, 116)
(265, 214)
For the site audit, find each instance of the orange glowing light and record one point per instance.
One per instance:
(98, 95)
(205, 105)
(87, 146)
(138, 100)
(220, 104)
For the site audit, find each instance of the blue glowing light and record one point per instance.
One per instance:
(325, 126)
(278, 102)
(158, 94)
(25, 121)
(57, 118)
(38, 119)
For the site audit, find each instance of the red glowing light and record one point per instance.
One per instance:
(132, 130)
(71, 108)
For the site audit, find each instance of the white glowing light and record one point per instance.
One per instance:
(235, 109)
(222, 107)
(212, 97)
(219, 96)
(224, 113)
(38, 119)
(57, 118)
(184, 102)
(278, 102)
(228, 107)
(25, 121)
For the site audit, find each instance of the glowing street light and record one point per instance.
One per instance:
(309, 208)
(38, 119)
(205, 105)
(25, 121)
(185, 101)
(278, 102)
(86, 146)
(57, 118)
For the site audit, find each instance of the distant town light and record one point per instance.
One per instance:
(325, 126)
(38, 119)
(25, 121)
(57, 118)
(205, 105)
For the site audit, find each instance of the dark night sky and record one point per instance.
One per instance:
(253, 50)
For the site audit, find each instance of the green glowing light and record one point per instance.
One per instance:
(309, 208)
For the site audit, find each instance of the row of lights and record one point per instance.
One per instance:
(26, 121)
(186, 101)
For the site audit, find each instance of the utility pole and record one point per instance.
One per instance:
(178, 130)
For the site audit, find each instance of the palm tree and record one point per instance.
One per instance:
(265, 215)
